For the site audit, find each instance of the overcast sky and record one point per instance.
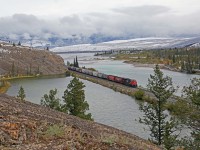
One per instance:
(64, 18)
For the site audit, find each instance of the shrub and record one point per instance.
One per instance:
(54, 131)
(139, 94)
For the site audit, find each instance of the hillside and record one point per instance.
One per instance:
(25, 125)
(138, 43)
(19, 60)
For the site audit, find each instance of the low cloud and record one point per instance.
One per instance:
(141, 21)
(146, 10)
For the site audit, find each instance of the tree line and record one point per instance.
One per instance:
(186, 59)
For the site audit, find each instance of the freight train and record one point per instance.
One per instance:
(121, 80)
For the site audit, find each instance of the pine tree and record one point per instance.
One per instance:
(77, 65)
(21, 94)
(182, 66)
(51, 101)
(19, 44)
(74, 100)
(154, 115)
(173, 59)
(189, 115)
(74, 62)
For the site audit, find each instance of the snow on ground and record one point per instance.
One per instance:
(139, 43)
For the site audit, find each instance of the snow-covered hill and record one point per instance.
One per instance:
(138, 43)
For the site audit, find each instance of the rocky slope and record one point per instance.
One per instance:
(24, 125)
(24, 60)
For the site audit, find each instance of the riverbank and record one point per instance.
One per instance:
(162, 66)
(4, 86)
(147, 96)
(150, 58)
(25, 125)
(113, 85)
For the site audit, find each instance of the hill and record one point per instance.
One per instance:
(20, 60)
(25, 125)
(132, 44)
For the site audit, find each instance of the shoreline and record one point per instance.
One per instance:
(162, 66)
(5, 88)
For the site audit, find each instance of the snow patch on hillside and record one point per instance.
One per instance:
(139, 43)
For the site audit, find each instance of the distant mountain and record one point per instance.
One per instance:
(56, 41)
(138, 43)
(98, 42)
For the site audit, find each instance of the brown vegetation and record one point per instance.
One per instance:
(19, 60)
(25, 125)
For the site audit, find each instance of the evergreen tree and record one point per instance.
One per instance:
(19, 44)
(74, 62)
(51, 101)
(21, 94)
(74, 99)
(154, 116)
(192, 95)
(182, 66)
(77, 65)
(173, 59)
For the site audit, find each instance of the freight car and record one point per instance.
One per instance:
(121, 80)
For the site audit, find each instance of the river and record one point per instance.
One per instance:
(107, 106)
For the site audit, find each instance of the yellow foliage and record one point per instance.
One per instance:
(4, 87)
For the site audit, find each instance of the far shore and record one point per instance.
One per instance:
(162, 66)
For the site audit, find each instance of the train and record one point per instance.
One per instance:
(121, 80)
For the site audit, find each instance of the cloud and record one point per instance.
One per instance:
(126, 22)
(145, 10)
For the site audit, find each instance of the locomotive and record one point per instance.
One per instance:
(121, 80)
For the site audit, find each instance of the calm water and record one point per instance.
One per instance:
(141, 74)
(107, 106)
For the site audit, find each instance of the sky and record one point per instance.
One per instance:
(125, 18)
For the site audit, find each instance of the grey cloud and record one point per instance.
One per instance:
(74, 19)
(147, 10)
(139, 21)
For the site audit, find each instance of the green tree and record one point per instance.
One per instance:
(190, 116)
(154, 115)
(51, 100)
(21, 94)
(19, 43)
(74, 62)
(74, 99)
(77, 65)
